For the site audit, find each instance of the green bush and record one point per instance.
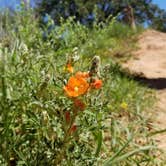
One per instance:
(42, 125)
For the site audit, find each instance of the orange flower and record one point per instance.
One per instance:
(67, 117)
(80, 74)
(97, 84)
(69, 68)
(72, 129)
(76, 86)
(79, 104)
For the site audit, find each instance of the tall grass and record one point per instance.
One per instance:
(112, 128)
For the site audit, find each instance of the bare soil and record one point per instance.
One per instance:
(149, 63)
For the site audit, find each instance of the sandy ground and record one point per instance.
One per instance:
(149, 62)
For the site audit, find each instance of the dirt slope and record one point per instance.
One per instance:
(150, 59)
(149, 62)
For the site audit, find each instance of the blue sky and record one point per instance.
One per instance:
(160, 3)
(14, 3)
(11, 3)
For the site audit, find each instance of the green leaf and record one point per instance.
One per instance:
(126, 155)
(157, 132)
(119, 152)
(99, 142)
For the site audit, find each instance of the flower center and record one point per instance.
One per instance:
(76, 89)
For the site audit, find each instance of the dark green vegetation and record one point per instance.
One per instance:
(113, 127)
(128, 11)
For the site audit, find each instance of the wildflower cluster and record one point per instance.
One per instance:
(80, 84)
(77, 85)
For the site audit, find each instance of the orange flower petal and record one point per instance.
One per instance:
(70, 68)
(97, 84)
(82, 74)
(67, 117)
(79, 104)
(73, 129)
(76, 86)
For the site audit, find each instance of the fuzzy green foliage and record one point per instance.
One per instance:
(112, 129)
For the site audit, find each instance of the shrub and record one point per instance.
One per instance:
(58, 108)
